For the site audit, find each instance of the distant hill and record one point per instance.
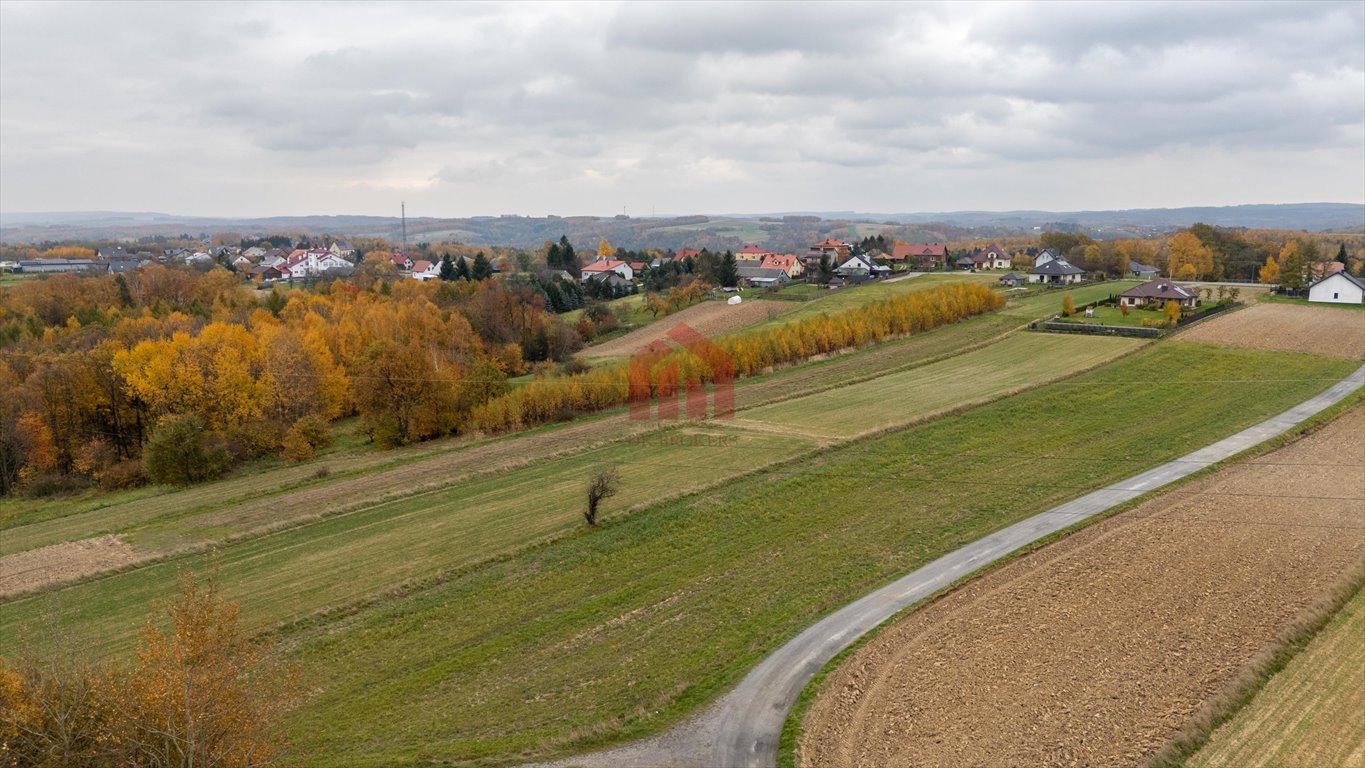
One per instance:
(778, 231)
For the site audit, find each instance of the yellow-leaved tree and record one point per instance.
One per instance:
(604, 250)
(1189, 258)
(1270, 273)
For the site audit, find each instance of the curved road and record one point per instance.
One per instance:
(742, 728)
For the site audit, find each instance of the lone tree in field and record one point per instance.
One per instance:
(603, 486)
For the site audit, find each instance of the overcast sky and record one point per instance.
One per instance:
(468, 109)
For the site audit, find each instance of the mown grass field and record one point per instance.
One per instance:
(900, 398)
(1309, 713)
(617, 632)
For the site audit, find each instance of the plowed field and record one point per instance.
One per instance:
(1095, 650)
(1327, 331)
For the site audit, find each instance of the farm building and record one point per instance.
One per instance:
(61, 265)
(1012, 280)
(1056, 271)
(1338, 288)
(762, 277)
(1159, 292)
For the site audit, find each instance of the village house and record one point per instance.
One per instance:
(254, 252)
(751, 253)
(401, 261)
(1047, 255)
(1338, 288)
(603, 267)
(1012, 280)
(926, 256)
(994, 257)
(861, 266)
(1056, 271)
(786, 262)
(836, 251)
(343, 249)
(1159, 292)
(425, 270)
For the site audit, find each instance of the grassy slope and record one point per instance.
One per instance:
(1310, 712)
(351, 557)
(621, 631)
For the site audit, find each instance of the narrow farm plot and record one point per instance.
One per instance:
(709, 318)
(900, 398)
(1096, 649)
(1319, 330)
(1311, 713)
(622, 631)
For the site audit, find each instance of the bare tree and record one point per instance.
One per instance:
(604, 485)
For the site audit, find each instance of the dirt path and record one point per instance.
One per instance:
(709, 318)
(1094, 650)
(1330, 331)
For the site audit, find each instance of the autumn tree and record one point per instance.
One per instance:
(1068, 306)
(1270, 273)
(654, 304)
(604, 250)
(1189, 257)
(604, 484)
(1291, 265)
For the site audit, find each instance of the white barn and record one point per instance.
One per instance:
(1337, 288)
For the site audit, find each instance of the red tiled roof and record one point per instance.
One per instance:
(685, 252)
(605, 265)
(929, 249)
(421, 266)
(829, 243)
(752, 249)
(637, 265)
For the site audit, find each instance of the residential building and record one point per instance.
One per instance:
(1056, 271)
(1159, 292)
(603, 267)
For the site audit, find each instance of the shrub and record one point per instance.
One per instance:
(254, 438)
(1068, 307)
(123, 474)
(305, 438)
(182, 451)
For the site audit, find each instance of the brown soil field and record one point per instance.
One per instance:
(1330, 331)
(709, 318)
(1097, 649)
(38, 568)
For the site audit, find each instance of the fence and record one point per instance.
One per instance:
(1101, 330)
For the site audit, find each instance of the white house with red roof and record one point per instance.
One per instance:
(426, 270)
(603, 267)
(400, 261)
(312, 263)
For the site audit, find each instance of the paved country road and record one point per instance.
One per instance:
(742, 728)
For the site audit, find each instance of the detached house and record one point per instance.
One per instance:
(925, 256)
(994, 257)
(751, 253)
(603, 267)
(786, 262)
(1159, 292)
(861, 266)
(1056, 271)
